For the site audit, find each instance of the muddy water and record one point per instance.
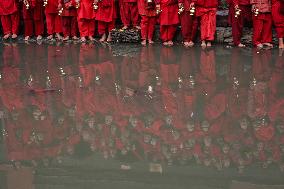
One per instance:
(129, 116)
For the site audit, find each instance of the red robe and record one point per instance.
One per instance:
(129, 12)
(10, 18)
(206, 10)
(33, 16)
(148, 19)
(189, 23)
(238, 23)
(262, 23)
(278, 17)
(53, 20)
(106, 16)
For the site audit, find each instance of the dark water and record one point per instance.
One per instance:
(125, 116)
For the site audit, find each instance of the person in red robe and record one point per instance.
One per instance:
(168, 20)
(278, 20)
(69, 19)
(33, 18)
(148, 15)
(106, 17)
(262, 23)
(10, 18)
(86, 19)
(239, 13)
(53, 20)
(129, 13)
(206, 13)
(189, 23)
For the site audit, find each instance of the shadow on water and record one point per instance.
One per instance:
(86, 115)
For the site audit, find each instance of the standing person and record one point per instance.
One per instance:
(168, 20)
(9, 13)
(206, 12)
(239, 13)
(189, 23)
(262, 23)
(278, 19)
(147, 11)
(33, 18)
(69, 19)
(106, 16)
(53, 20)
(86, 19)
(129, 13)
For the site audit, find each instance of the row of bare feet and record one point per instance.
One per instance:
(7, 36)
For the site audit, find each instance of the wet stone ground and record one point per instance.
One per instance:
(125, 116)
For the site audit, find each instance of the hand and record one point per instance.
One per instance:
(59, 6)
(158, 7)
(180, 5)
(253, 7)
(191, 5)
(237, 7)
(77, 1)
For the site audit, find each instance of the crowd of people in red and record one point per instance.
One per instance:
(65, 16)
(154, 109)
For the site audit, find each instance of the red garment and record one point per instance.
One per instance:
(207, 18)
(33, 19)
(169, 14)
(106, 11)
(215, 107)
(105, 27)
(262, 28)
(167, 32)
(265, 133)
(144, 10)
(147, 26)
(86, 27)
(207, 67)
(129, 12)
(238, 23)
(53, 23)
(264, 6)
(189, 26)
(10, 23)
(238, 2)
(86, 11)
(69, 26)
(278, 18)
(8, 7)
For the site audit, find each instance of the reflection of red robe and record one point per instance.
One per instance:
(207, 67)
(265, 133)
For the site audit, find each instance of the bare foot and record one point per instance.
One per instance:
(281, 51)
(281, 43)
(14, 36)
(203, 44)
(75, 38)
(151, 41)
(27, 38)
(83, 39)
(281, 46)
(138, 27)
(259, 46)
(191, 44)
(66, 38)
(186, 44)
(209, 44)
(6, 36)
(50, 37)
(241, 45)
(268, 44)
(124, 28)
(103, 38)
(170, 43)
(58, 36)
(39, 37)
(91, 38)
(165, 43)
(144, 42)
(109, 38)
